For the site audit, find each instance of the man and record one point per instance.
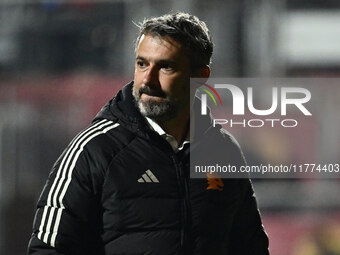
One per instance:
(122, 186)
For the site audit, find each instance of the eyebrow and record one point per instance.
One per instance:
(140, 58)
(160, 61)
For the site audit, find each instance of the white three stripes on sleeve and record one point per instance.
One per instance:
(53, 209)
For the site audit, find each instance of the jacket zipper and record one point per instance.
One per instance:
(182, 180)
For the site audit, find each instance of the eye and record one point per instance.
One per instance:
(167, 68)
(140, 64)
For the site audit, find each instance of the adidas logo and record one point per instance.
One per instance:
(148, 177)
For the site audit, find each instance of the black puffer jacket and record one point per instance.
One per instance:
(119, 188)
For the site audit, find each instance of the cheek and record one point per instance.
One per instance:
(136, 83)
(136, 75)
(179, 88)
(138, 80)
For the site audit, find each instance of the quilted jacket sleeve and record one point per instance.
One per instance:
(65, 220)
(67, 215)
(248, 234)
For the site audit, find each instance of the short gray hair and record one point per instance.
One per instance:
(187, 29)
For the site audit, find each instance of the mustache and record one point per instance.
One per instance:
(151, 92)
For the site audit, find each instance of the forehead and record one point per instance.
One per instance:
(155, 47)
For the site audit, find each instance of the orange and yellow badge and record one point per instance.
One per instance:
(214, 182)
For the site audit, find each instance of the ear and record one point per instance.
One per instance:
(201, 72)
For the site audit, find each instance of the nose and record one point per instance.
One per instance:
(151, 76)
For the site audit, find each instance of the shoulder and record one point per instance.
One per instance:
(229, 138)
(226, 143)
(225, 138)
(105, 135)
(98, 143)
(90, 153)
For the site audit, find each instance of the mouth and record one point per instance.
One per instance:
(147, 97)
(147, 92)
(151, 94)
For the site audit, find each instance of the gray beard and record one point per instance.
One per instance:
(160, 111)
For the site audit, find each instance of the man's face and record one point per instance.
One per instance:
(162, 78)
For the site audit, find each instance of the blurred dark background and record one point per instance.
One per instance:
(60, 61)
